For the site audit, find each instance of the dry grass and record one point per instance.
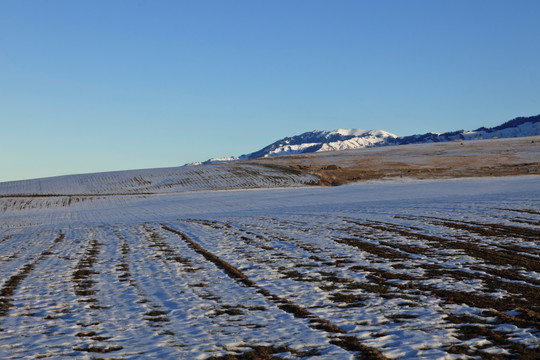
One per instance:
(503, 157)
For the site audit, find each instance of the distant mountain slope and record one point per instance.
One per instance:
(343, 139)
(316, 141)
(518, 127)
(164, 180)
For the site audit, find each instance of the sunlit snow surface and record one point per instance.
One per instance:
(420, 269)
(163, 180)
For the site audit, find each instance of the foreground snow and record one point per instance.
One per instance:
(420, 269)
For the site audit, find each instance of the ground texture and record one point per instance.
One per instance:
(425, 269)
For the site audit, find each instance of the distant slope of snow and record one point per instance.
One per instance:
(345, 139)
(316, 141)
(519, 127)
(164, 180)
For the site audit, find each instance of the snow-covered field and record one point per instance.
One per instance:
(421, 269)
(162, 180)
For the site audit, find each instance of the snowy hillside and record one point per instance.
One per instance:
(519, 127)
(346, 139)
(317, 141)
(164, 180)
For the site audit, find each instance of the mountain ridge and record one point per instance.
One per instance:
(345, 139)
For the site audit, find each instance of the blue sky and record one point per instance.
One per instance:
(90, 86)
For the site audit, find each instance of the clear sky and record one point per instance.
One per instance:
(89, 86)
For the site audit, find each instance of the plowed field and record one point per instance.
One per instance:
(428, 269)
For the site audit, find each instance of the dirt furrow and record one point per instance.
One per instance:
(155, 316)
(474, 326)
(225, 312)
(83, 279)
(153, 313)
(468, 331)
(497, 279)
(498, 230)
(82, 276)
(162, 247)
(488, 255)
(343, 291)
(11, 285)
(523, 292)
(525, 211)
(26, 246)
(8, 237)
(488, 229)
(285, 305)
(123, 267)
(381, 251)
(508, 278)
(336, 287)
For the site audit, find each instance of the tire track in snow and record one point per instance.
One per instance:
(156, 316)
(346, 342)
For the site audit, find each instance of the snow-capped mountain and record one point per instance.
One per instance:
(518, 127)
(316, 141)
(343, 139)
